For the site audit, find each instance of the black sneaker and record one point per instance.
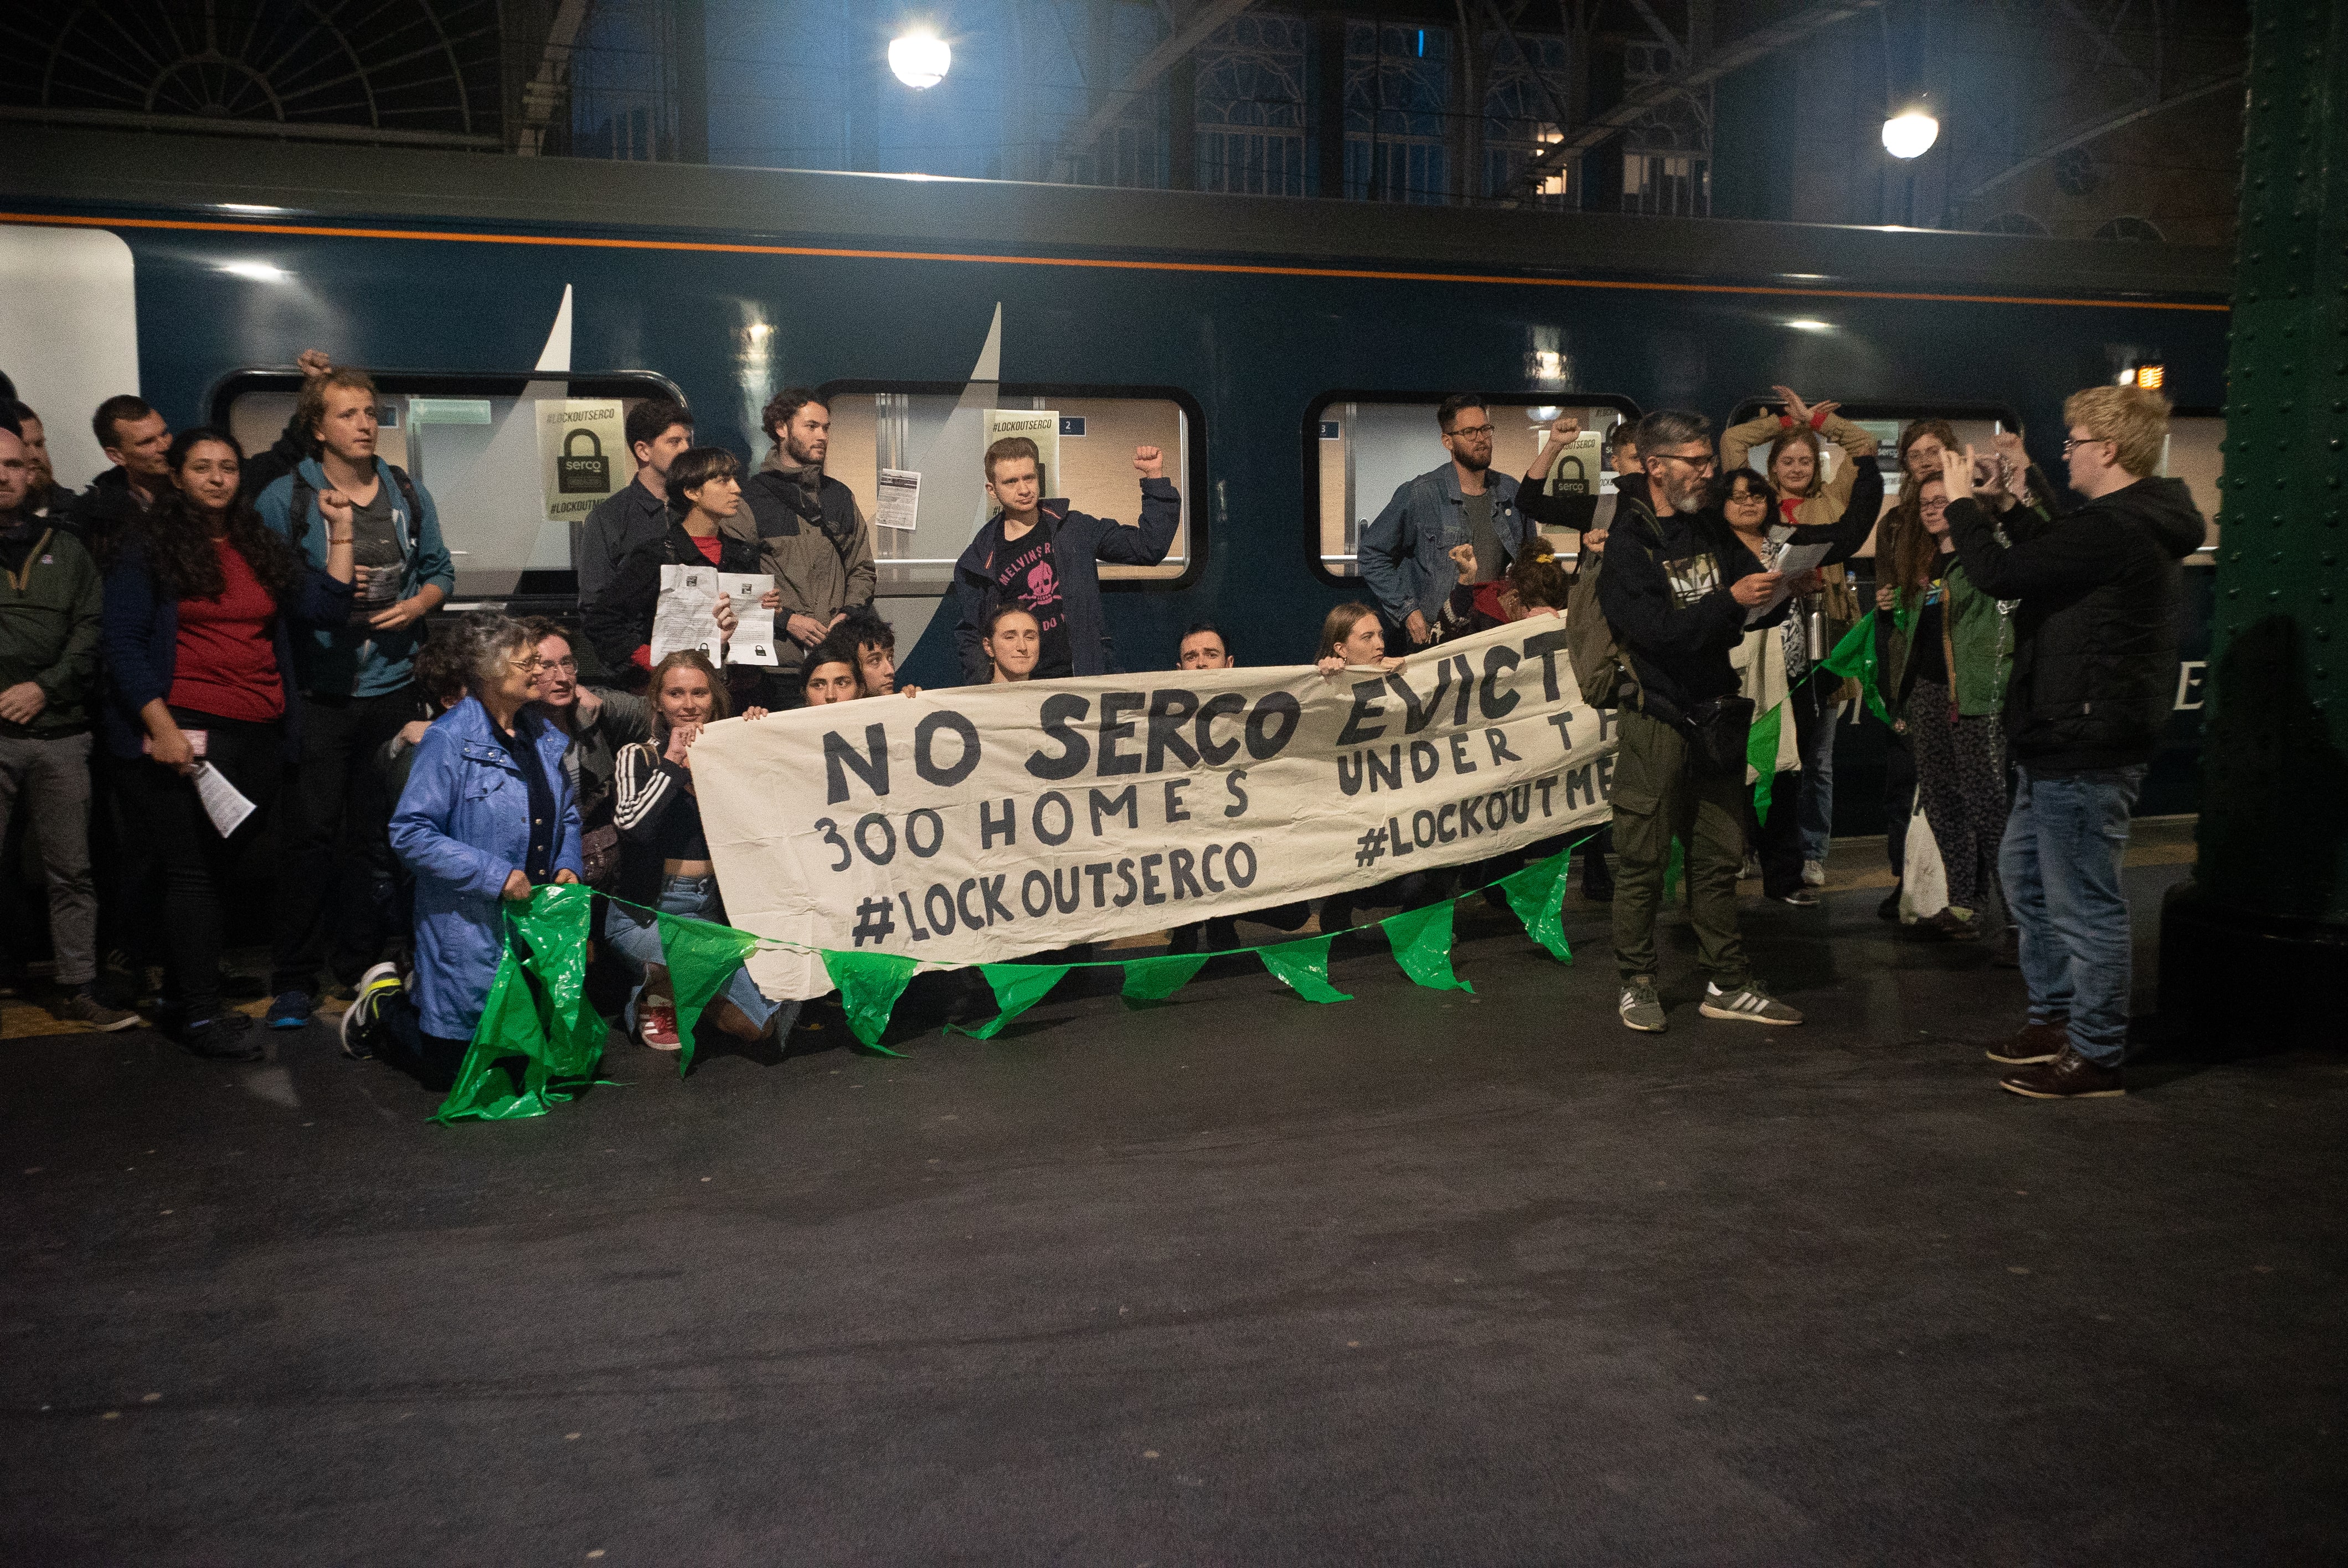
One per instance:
(225, 1037)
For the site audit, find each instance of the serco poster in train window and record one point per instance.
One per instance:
(583, 454)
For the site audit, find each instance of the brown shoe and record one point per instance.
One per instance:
(2069, 1076)
(2035, 1043)
(1944, 926)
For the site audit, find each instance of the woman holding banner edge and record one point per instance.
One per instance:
(665, 862)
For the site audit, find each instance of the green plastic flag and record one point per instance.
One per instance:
(1017, 988)
(1154, 979)
(1674, 868)
(488, 1089)
(869, 985)
(701, 958)
(553, 929)
(1536, 893)
(1303, 968)
(1761, 755)
(1421, 939)
(1854, 659)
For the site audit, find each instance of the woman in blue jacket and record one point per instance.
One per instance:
(487, 814)
(202, 603)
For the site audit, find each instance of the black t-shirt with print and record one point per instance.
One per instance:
(1027, 575)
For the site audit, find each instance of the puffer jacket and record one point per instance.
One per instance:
(2095, 638)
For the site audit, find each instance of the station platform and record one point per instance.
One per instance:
(1238, 1278)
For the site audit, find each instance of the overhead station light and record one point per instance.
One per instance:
(1910, 135)
(259, 272)
(2149, 376)
(920, 58)
(1806, 325)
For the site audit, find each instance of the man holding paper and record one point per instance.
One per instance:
(1676, 590)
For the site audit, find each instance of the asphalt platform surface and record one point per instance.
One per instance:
(1236, 1279)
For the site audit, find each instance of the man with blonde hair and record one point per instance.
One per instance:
(2095, 673)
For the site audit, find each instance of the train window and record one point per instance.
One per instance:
(2195, 453)
(1361, 447)
(941, 431)
(1974, 424)
(489, 448)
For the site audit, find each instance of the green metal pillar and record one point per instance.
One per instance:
(2254, 947)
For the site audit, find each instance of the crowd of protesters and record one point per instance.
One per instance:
(209, 651)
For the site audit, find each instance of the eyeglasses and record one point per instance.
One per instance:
(1702, 465)
(2071, 441)
(530, 666)
(1471, 430)
(567, 666)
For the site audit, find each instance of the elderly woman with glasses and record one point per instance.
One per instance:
(489, 813)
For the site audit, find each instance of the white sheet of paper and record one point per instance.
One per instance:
(1795, 561)
(899, 499)
(686, 615)
(223, 801)
(754, 624)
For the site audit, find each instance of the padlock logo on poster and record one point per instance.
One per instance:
(583, 474)
(1572, 479)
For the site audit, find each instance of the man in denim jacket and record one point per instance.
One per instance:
(1406, 553)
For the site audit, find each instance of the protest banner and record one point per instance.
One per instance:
(979, 824)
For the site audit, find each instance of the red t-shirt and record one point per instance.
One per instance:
(227, 661)
(708, 546)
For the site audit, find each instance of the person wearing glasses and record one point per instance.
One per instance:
(1677, 590)
(487, 816)
(1405, 552)
(2095, 678)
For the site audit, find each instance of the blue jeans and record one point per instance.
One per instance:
(695, 899)
(1816, 807)
(2065, 840)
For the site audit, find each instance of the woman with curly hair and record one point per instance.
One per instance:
(201, 600)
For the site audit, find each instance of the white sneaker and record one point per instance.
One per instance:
(363, 1020)
(1749, 1004)
(1814, 874)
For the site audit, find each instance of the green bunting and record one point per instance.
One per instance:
(1303, 968)
(1151, 980)
(1536, 893)
(700, 958)
(539, 1040)
(1421, 939)
(1017, 988)
(869, 985)
(1761, 755)
(536, 1043)
(555, 924)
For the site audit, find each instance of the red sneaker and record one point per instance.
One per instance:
(657, 1025)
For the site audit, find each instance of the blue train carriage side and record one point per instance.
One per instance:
(1286, 354)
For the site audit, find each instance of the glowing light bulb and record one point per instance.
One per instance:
(1910, 135)
(920, 59)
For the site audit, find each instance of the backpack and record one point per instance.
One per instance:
(1605, 677)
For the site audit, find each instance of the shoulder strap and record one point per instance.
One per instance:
(297, 514)
(415, 508)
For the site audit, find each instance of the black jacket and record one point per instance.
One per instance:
(1080, 541)
(1666, 592)
(619, 622)
(2102, 588)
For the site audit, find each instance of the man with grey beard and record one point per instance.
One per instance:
(1676, 590)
